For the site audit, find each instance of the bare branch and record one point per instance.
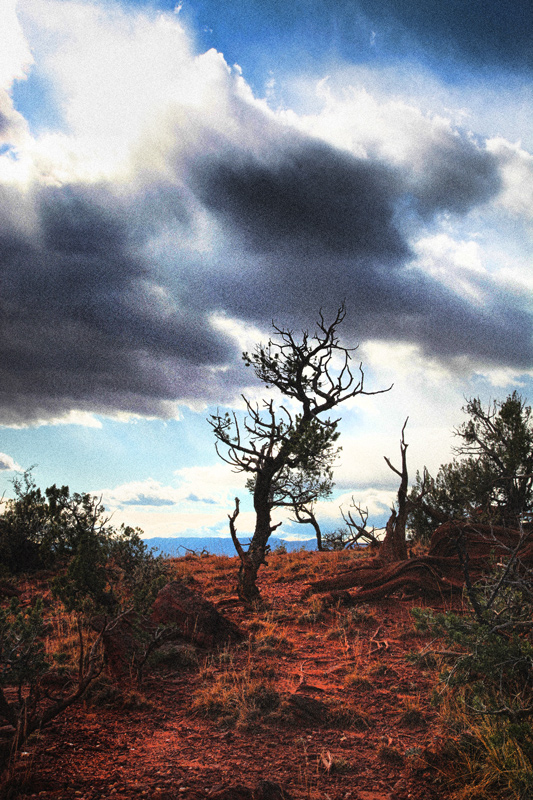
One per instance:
(233, 532)
(360, 527)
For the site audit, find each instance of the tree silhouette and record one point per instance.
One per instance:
(315, 373)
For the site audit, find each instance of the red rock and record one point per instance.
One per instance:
(195, 618)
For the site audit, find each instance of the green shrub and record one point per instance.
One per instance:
(486, 685)
(23, 660)
(102, 571)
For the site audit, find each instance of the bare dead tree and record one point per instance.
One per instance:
(272, 439)
(394, 545)
(359, 528)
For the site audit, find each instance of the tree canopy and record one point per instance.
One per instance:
(492, 477)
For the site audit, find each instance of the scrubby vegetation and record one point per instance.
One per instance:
(94, 575)
(485, 689)
(491, 479)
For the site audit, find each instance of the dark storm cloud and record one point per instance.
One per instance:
(312, 196)
(83, 324)
(84, 273)
(445, 324)
(76, 221)
(96, 317)
(387, 302)
(314, 226)
(456, 177)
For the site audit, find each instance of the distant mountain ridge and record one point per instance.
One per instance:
(180, 545)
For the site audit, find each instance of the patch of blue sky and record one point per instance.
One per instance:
(279, 39)
(308, 36)
(9, 151)
(132, 450)
(34, 98)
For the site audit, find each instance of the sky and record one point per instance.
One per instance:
(174, 178)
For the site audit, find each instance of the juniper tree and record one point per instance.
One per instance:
(315, 374)
(492, 478)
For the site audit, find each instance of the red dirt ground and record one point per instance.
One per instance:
(154, 744)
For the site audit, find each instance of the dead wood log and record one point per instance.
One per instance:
(418, 580)
(345, 580)
(427, 568)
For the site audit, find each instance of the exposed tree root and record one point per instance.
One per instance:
(441, 571)
(424, 574)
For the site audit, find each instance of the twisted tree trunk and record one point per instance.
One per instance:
(252, 558)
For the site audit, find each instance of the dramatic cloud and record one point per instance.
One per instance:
(314, 197)
(442, 166)
(170, 197)
(86, 326)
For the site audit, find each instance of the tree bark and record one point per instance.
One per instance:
(246, 582)
(318, 532)
(394, 546)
